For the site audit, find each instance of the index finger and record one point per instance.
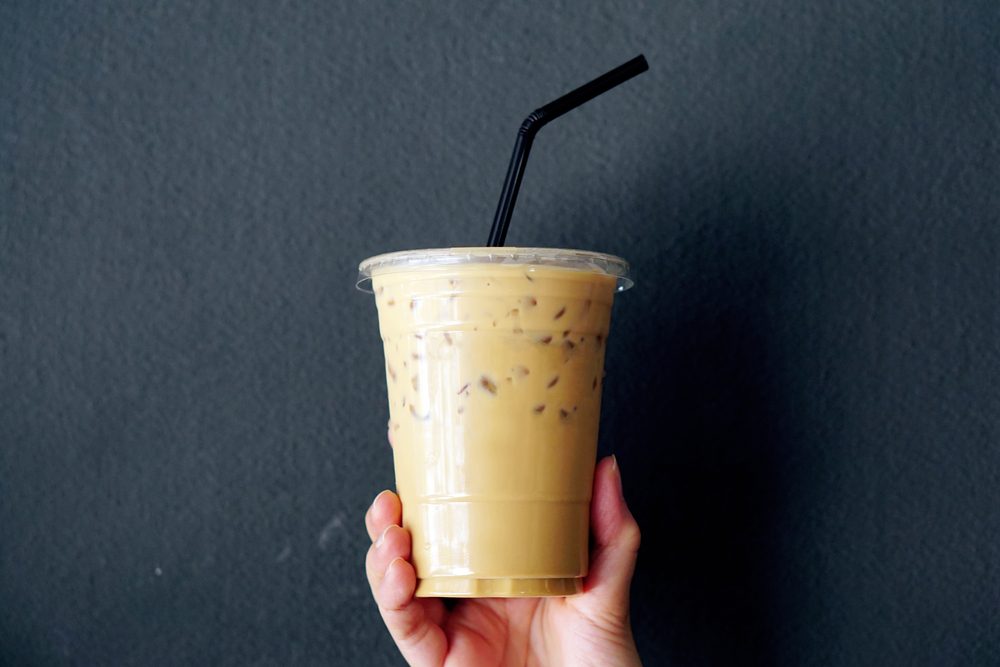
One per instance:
(386, 510)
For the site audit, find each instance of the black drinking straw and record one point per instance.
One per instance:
(535, 121)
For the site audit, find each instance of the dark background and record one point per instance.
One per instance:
(803, 387)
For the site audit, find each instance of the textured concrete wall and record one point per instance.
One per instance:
(803, 387)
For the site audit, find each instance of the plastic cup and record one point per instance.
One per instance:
(494, 363)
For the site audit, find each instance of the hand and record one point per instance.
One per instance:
(592, 628)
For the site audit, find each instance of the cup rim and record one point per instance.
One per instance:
(576, 260)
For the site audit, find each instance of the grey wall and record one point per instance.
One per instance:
(803, 387)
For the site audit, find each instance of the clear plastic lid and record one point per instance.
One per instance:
(578, 260)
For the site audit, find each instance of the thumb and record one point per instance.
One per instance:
(616, 540)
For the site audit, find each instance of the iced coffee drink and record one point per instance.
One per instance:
(494, 362)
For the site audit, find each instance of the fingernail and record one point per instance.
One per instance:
(618, 474)
(397, 559)
(380, 494)
(381, 538)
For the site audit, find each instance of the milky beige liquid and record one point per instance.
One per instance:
(494, 376)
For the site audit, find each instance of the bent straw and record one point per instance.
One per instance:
(538, 119)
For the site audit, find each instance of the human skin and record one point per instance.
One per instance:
(592, 628)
